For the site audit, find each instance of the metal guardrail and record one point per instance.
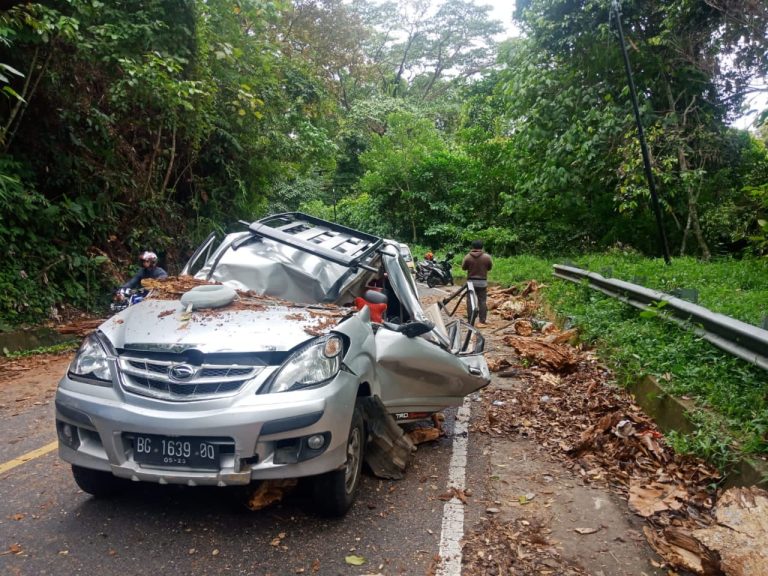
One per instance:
(734, 336)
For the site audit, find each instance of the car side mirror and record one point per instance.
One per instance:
(411, 329)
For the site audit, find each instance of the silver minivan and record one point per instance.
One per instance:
(259, 370)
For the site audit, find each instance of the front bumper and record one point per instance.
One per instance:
(260, 436)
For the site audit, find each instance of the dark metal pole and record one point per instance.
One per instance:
(616, 9)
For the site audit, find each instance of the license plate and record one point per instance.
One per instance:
(176, 452)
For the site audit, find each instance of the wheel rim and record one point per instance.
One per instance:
(354, 448)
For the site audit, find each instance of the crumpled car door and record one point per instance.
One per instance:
(418, 375)
(429, 372)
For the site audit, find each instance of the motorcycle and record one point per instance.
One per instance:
(125, 297)
(436, 273)
(423, 269)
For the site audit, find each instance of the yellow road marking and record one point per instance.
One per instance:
(11, 464)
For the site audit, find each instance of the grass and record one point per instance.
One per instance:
(67, 346)
(736, 288)
(732, 394)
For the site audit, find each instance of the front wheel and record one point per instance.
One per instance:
(432, 280)
(97, 483)
(335, 491)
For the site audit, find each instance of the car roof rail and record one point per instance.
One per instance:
(327, 240)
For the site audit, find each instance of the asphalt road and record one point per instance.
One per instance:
(49, 527)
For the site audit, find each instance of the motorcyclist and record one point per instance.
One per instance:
(149, 269)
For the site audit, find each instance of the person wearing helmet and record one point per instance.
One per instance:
(149, 269)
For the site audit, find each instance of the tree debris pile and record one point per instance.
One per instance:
(513, 302)
(518, 548)
(173, 287)
(566, 401)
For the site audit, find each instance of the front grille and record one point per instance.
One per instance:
(181, 381)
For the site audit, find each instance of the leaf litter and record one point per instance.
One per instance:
(568, 402)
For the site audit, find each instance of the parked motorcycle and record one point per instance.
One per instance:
(423, 270)
(436, 273)
(125, 297)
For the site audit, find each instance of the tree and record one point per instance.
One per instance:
(677, 50)
(391, 163)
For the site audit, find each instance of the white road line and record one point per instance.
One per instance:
(453, 512)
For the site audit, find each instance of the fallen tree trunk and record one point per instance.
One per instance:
(389, 450)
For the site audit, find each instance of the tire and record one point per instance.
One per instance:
(97, 483)
(335, 491)
(208, 296)
(432, 281)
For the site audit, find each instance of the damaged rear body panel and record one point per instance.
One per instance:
(201, 384)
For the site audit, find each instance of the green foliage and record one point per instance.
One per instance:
(39, 270)
(517, 269)
(654, 309)
(708, 441)
(145, 124)
(734, 287)
(395, 172)
(729, 390)
(759, 237)
(67, 346)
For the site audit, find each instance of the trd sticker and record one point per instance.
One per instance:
(412, 415)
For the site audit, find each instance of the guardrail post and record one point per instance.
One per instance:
(690, 294)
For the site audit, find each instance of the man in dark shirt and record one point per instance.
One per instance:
(477, 264)
(149, 269)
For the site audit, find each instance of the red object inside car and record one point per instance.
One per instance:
(377, 310)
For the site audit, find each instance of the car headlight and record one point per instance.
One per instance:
(311, 366)
(91, 362)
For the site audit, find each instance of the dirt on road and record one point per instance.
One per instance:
(30, 380)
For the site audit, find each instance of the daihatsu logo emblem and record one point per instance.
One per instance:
(181, 372)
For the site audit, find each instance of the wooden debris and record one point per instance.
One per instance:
(681, 551)
(555, 357)
(562, 337)
(268, 492)
(496, 364)
(531, 288)
(510, 309)
(511, 291)
(421, 435)
(389, 450)
(740, 536)
(549, 328)
(646, 499)
(566, 403)
(81, 327)
(523, 327)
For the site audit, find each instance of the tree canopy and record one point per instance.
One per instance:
(133, 125)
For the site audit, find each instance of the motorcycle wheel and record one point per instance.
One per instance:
(432, 281)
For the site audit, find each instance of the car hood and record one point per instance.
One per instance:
(164, 325)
